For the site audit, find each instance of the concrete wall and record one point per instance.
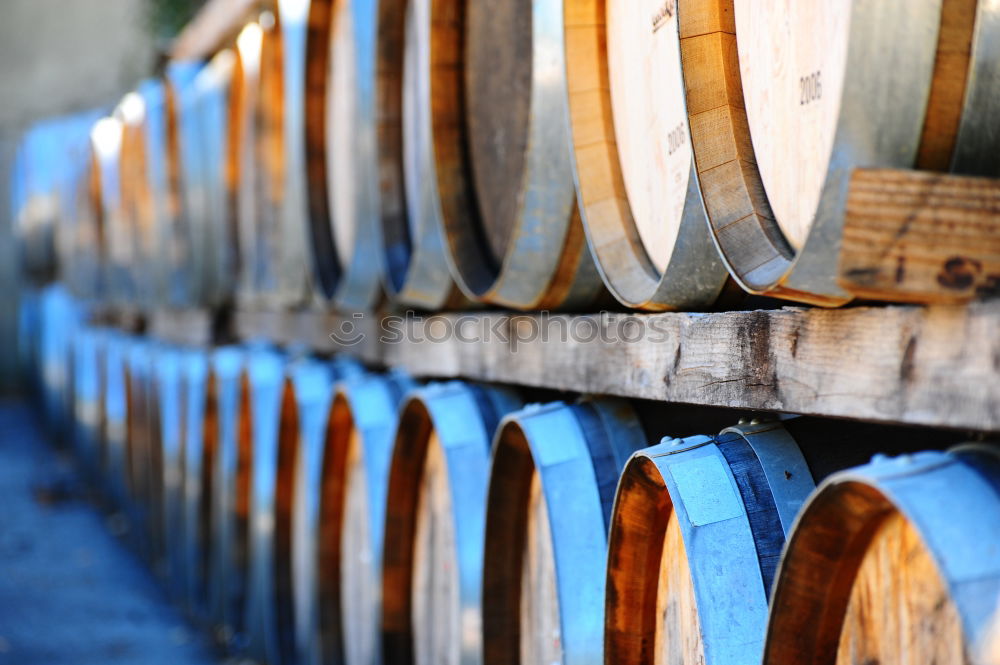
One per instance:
(56, 57)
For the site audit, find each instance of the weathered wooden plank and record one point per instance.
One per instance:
(187, 327)
(216, 23)
(936, 366)
(921, 237)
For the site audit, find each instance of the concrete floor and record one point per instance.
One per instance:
(70, 592)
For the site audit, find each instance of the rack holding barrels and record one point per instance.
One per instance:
(303, 508)
(324, 153)
(314, 483)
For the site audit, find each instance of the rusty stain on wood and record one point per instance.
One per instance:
(921, 237)
(846, 363)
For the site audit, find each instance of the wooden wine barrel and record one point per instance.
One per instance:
(36, 205)
(131, 166)
(263, 387)
(115, 434)
(199, 448)
(116, 285)
(359, 411)
(230, 496)
(73, 188)
(81, 251)
(696, 534)
(340, 522)
(341, 158)
(287, 407)
(59, 318)
(145, 188)
(186, 166)
(214, 89)
(156, 530)
(435, 515)
(88, 405)
(29, 212)
(414, 253)
(205, 243)
(170, 370)
(243, 176)
(781, 116)
(641, 202)
(551, 489)
(138, 450)
(498, 159)
(892, 562)
(283, 203)
(37, 190)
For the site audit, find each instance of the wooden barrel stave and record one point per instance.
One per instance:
(920, 506)
(501, 163)
(188, 204)
(243, 155)
(170, 376)
(139, 403)
(157, 208)
(413, 247)
(218, 231)
(32, 204)
(974, 150)
(200, 441)
(336, 576)
(282, 158)
(722, 505)
(58, 321)
(107, 138)
(574, 453)
(278, 447)
(42, 192)
(341, 158)
(115, 418)
(76, 209)
(152, 468)
(88, 398)
(265, 379)
(148, 188)
(683, 272)
(228, 543)
(315, 383)
(132, 163)
(83, 251)
(431, 592)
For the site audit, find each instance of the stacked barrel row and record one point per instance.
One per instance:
(528, 155)
(308, 510)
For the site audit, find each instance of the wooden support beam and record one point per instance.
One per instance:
(188, 327)
(937, 366)
(921, 237)
(216, 24)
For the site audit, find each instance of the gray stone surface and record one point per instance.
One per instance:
(70, 592)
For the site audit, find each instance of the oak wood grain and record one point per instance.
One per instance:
(921, 237)
(900, 609)
(929, 366)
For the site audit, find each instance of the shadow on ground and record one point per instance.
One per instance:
(70, 592)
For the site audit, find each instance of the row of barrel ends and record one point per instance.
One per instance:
(51, 185)
(910, 484)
